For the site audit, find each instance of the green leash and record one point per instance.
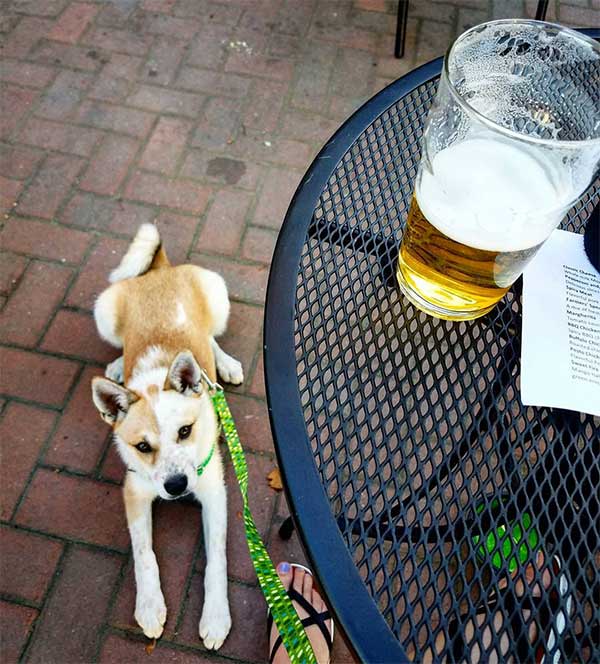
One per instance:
(290, 628)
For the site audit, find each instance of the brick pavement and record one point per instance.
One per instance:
(203, 116)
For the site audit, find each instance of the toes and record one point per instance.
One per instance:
(284, 570)
(298, 582)
(307, 586)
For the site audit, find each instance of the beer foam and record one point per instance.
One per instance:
(494, 195)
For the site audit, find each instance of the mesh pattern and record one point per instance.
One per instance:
(422, 443)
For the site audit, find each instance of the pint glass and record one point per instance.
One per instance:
(511, 142)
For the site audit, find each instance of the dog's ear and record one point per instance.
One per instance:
(185, 375)
(111, 399)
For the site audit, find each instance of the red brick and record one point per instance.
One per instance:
(108, 88)
(73, 22)
(260, 147)
(176, 529)
(219, 125)
(44, 240)
(47, 8)
(27, 33)
(117, 649)
(252, 421)
(67, 55)
(11, 269)
(49, 187)
(110, 164)
(70, 627)
(114, 15)
(74, 333)
(9, 192)
(207, 49)
(14, 103)
(243, 334)
(76, 508)
(163, 62)
(344, 35)
(159, 24)
(265, 105)
(88, 211)
(259, 244)
(262, 504)
(93, 278)
(177, 234)
(123, 41)
(222, 170)
(260, 65)
(122, 66)
(64, 95)
(80, 439)
(213, 83)
(112, 466)
(176, 194)
(371, 5)
(166, 146)
(34, 376)
(26, 73)
(27, 563)
(24, 317)
(225, 222)
(257, 384)
(23, 432)
(55, 136)
(248, 609)
(17, 161)
(277, 192)
(245, 282)
(219, 13)
(162, 100)
(15, 625)
(160, 6)
(116, 118)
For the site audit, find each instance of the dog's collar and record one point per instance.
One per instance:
(202, 466)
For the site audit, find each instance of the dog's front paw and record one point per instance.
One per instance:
(214, 624)
(230, 370)
(151, 613)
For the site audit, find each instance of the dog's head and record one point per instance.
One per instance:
(162, 431)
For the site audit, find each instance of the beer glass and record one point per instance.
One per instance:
(511, 142)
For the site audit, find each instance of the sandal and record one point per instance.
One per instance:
(313, 618)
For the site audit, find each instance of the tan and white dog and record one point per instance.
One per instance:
(166, 319)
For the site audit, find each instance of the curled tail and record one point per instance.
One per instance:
(144, 253)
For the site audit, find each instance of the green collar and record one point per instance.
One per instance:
(206, 461)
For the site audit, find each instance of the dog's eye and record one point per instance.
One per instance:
(185, 432)
(143, 447)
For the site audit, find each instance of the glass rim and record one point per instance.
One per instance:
(511, 133)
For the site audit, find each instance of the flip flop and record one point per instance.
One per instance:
(313, 618)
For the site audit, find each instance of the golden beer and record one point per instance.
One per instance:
(481, 210)
(453, 275)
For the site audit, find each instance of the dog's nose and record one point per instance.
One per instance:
(176, 485)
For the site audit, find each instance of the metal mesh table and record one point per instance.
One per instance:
(432, 504)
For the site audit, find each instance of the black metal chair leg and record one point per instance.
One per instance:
(542, 8)
(401, 28)
(286, 529)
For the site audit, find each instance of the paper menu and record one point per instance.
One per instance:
(560, 353)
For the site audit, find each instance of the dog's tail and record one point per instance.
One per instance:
(144, 253)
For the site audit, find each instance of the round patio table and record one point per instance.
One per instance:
(424, 491)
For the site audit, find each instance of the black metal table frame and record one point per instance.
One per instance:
(346, 593)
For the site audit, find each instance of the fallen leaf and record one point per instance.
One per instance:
(150, 647)
(274, 479)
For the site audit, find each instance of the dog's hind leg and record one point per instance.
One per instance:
(228, 368)
(105, 314)
(115, 370)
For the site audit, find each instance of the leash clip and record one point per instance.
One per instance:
(213, 388)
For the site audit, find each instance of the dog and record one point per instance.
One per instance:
(156, 399)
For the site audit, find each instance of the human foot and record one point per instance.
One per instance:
(301, 581)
